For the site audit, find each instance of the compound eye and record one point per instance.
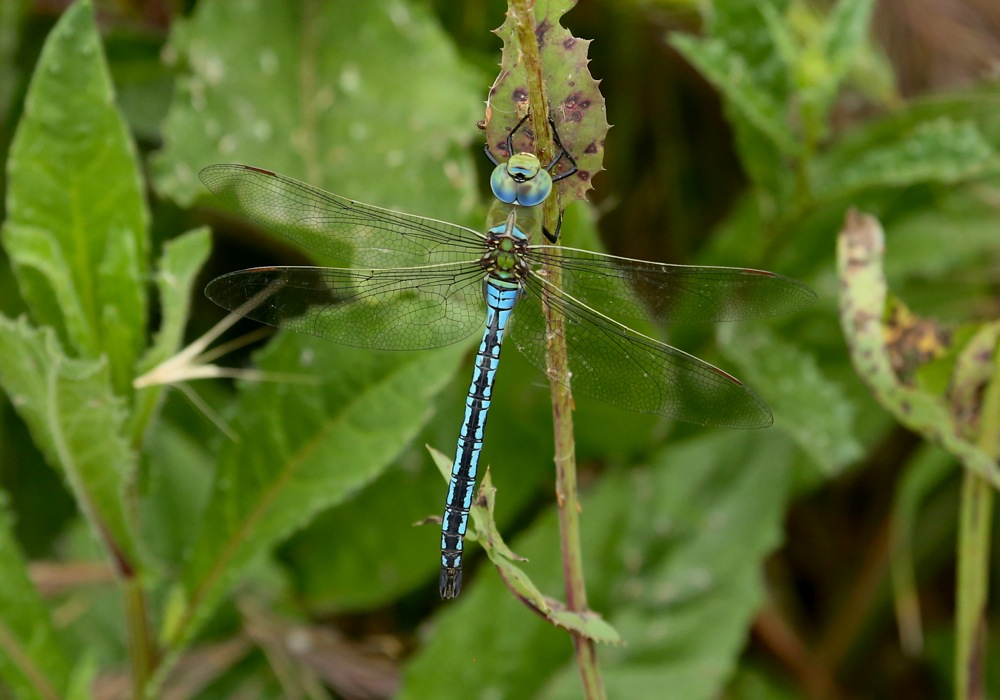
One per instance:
(534, 191)
(504, 186)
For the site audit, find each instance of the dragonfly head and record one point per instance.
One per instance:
(521, 180)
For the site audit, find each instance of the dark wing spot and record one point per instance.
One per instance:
(569, 43)
(592, 147)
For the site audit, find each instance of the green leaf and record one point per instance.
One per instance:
(976, 368)
(182, 260)
(176, 483)
(731, 74)
(367, 99)
(336, 573)
(813, 409)
(700, 523)
(514, 651)
(759, 684)
(76, 220)
(76, 420)
(304, 447)
(860, 249)
(745, 65)
(33, 663)
(745, 28)
(179, 265)
(331, 560)
(12, 16)
(830, 47)
(484, 530)
(943, 240)
(926, 474)
(82, 681)
(844, 37)
(143, 80)
(662, 561)
(742, 57)
(575, 100)
(941, 150)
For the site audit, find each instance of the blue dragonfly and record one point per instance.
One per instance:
(414, 283)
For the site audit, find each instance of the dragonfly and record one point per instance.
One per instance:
(412, 282)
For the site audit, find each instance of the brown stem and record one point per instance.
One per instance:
(522, 12)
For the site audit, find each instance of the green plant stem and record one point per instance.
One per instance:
(20, 658)
(557, 368)
(140, 640)
(973, 555)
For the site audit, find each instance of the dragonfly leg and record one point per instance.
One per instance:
(553, 237)
(489, 154)
(510, 136)
(562, 153)
(510, 142)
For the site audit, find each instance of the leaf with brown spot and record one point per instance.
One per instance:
(575, 101)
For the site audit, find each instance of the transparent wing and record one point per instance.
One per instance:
(624, 368)
(357, 234)
(627, 289)
(397, 309)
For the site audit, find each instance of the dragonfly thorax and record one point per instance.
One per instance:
(505, 248)
(521, 180)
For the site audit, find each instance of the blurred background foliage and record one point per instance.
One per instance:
(743, 565)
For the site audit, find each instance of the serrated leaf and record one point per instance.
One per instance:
(33, 663)
(938, 151)
(76, 419)
(575, 102)
(76, 220)
(368, 100)
(813, 409)
(303, 448)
